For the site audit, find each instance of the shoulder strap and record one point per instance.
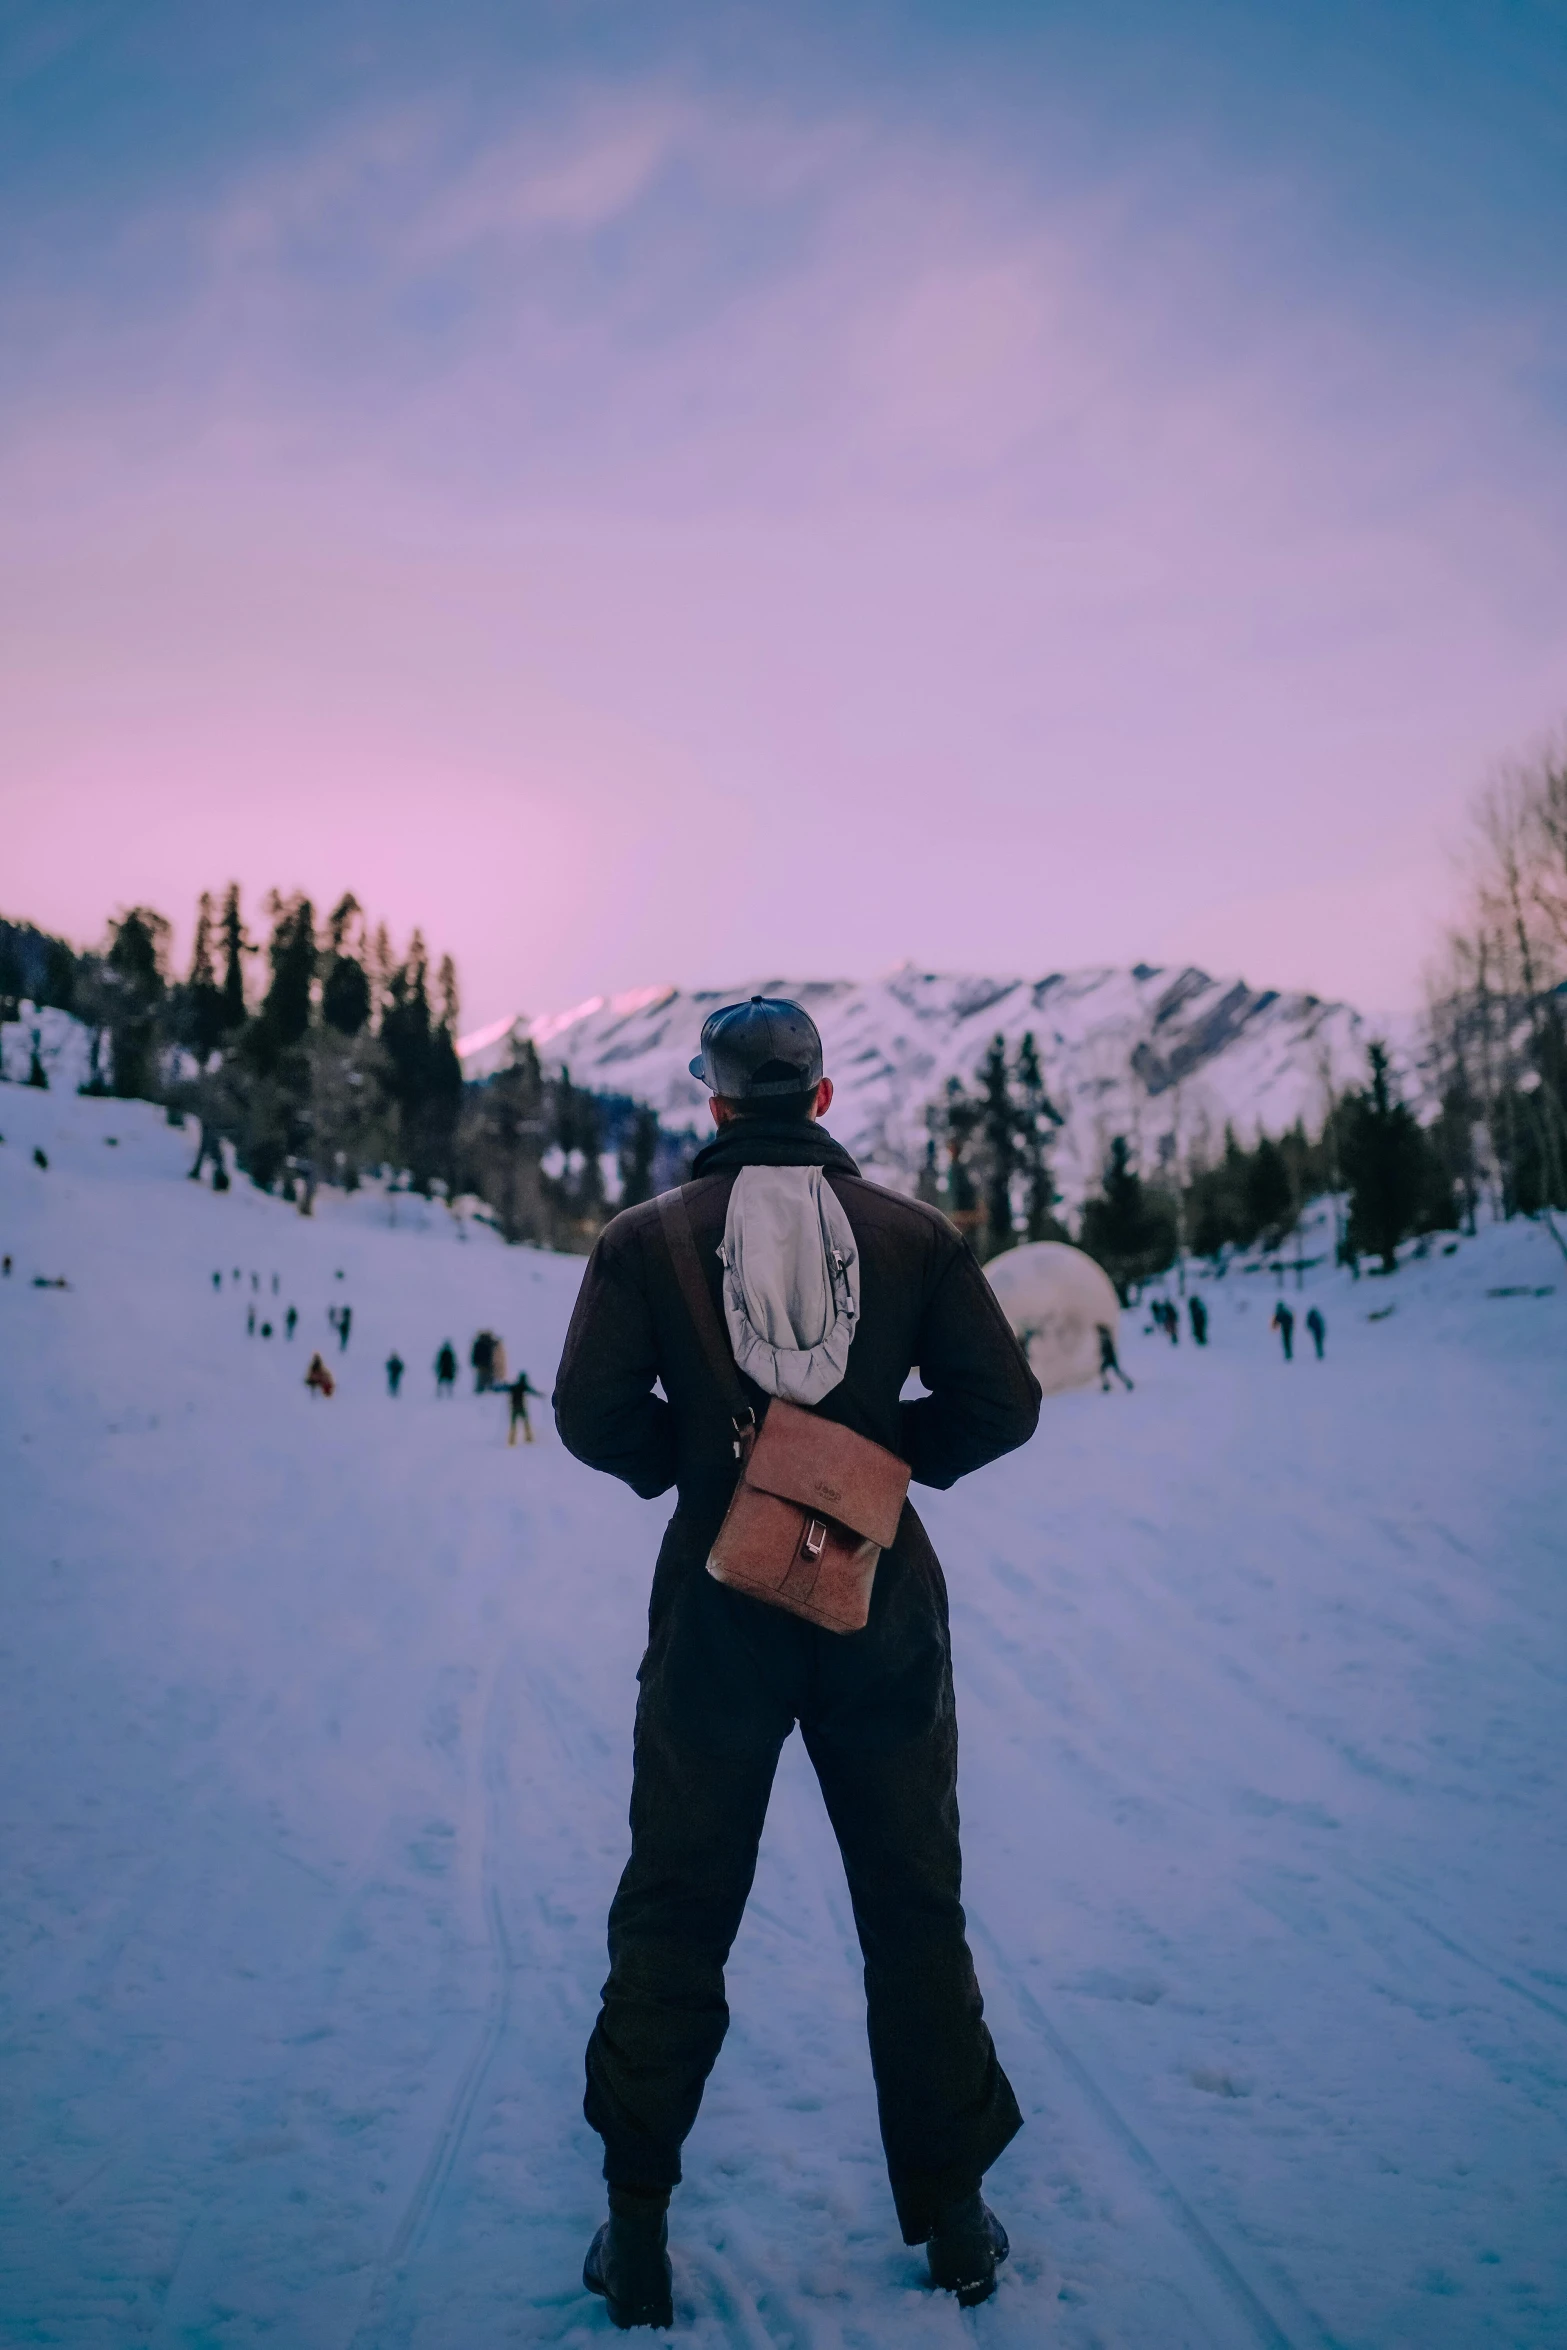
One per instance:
(675, 1220)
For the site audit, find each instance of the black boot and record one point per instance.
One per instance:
(967, 2246)
(628, 2261)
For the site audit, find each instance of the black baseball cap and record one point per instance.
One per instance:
(759, 1051)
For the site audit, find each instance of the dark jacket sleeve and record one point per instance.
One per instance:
(605, 1407)
(984, 1399)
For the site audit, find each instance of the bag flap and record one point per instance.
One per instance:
(821, 1465)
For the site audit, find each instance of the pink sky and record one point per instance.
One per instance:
(981, 577)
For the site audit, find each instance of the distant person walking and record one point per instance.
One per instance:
(518, 1392)
(1318, 1328)
(5, 1267)
(395, 1368)
(319, 1379)
(290, 1319)
(1109, 1361)
(250, 1323)
(481, 1357)
(446, 1369)
(1199, 1314)
(217, 1278)
(345, 1321)
(1284, 1323)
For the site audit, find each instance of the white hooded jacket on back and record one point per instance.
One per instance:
(791, 1281)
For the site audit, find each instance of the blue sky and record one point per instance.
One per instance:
(683, 492)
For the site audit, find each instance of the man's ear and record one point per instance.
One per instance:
(823, 1098)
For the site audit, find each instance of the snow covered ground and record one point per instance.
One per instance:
(314, 1754)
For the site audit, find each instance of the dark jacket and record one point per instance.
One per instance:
(924, 1305)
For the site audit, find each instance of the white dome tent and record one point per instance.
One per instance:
(1055, 1298)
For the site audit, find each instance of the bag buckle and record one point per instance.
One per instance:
(744, 1426)
(815, 1540)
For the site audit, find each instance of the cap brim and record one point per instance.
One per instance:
(698, 1069)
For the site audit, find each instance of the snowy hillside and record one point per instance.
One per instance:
(61, 1046)
(1163, 1056)
(314, 1755)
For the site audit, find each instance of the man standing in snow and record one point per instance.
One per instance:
(1199, 1315)
(1284, 1323)
(726, 1677)
(517, 1395)
(1318, 1328)
(394, 1371)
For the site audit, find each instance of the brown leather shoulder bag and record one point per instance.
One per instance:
(816, 1504)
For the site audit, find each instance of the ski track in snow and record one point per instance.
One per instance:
(314, 1753)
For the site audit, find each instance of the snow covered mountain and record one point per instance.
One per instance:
(1164, 1056)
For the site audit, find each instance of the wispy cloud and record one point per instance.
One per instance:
(731, 449)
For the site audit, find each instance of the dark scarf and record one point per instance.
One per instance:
(766, 1139)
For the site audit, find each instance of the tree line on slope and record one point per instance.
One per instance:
(987, 1165)
(344, 1062)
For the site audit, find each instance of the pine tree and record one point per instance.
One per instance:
(998, 1122)
(291, 951)
(960, 1119)
(1389, 1166)
(446, 981)
(1270, 1197)
(134, 970)
(580, 1185)
(406, 1038)
(236, 946)
(345, 991)
(1038, 1118)
(1129, 1231)
(204, 1005)
(638, 1153)
(442, 1105)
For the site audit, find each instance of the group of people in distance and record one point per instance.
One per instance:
(1284, 1323)
(1166, 1316)
(487, 1357)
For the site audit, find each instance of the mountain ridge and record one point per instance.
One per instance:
(1166, 1054)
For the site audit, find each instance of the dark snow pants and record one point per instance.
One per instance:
(724, 1681)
